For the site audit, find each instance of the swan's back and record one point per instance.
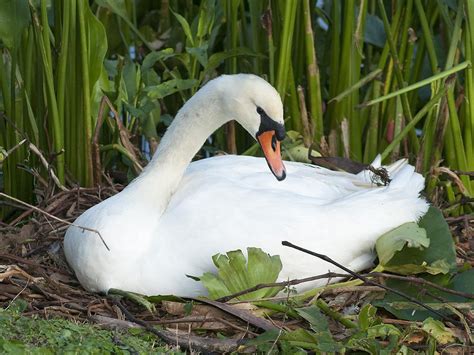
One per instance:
(233, 202)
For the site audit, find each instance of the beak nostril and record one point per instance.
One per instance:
(274, 142)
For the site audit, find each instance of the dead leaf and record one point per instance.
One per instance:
(338, 163)
(416, 337)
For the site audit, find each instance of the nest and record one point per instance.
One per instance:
(33, 268)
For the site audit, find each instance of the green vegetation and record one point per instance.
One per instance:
(357, 78)
(26, 335)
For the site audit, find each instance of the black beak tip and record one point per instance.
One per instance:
(281, 177)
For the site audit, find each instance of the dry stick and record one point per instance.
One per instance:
(244, 315)
(422, 282)
(280, 284)
(55, 218)
(367, 280)
(329, 275)
(36, 151)
(31, 263)
(468, 173)
(307, 134)
(452, 175)
(95, 142)
(197, 343)
(11, 150)
(48, 167)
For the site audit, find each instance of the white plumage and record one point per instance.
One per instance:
(171, 220)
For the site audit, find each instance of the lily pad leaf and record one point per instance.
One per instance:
(235, 274)
(409, 234)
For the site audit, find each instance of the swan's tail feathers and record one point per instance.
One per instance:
(405, 178)
(402, 176)
(407, 185)
(377, 163)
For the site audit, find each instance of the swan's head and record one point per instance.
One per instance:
(257, 106)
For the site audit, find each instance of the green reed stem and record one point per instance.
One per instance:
(314, 80)
(286, 41)
(397, 139)
(398, 73)
(365, 80)
(58, 138)
(428, 37)
(421, 83)
(469, 116)
(87, 117)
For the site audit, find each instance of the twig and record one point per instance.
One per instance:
(55, 218)
(48, 167)
(279, 284)
(369, 281)
(11, 150)
(31, 263)
(246, 316)
(456, 179)
(197, 343)
(468, 173)
(421, 281)
(112, 323)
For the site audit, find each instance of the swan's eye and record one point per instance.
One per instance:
(274, 142)
(260, 110)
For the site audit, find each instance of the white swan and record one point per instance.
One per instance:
(170, 220)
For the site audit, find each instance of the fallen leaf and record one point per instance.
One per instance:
(437, 330)
(235, 274)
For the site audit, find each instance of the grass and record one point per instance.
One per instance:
(34, 335)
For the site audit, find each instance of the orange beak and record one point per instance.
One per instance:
(271, 149)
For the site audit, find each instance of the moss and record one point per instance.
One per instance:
(34, 335)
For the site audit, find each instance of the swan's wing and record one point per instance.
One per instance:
(232, 203)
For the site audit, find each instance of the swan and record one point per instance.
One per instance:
(175, 215)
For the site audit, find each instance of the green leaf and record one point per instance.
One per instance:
(118, 7)
(170, 87)
(383, 331)
(319, 324)
(463, 282)
(409, 234)
(374, 32)
(235, 274)
(437, 330)
(217, 58)
(314, 317)
(200, 53)
(185, 26)
(438, 257)
(161, 298)
(154, 57)
(402, 309)
(14, 17)
(301, 337)
(367, 316)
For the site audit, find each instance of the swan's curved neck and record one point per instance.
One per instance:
(193, 124)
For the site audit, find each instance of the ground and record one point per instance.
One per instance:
(44, 309)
